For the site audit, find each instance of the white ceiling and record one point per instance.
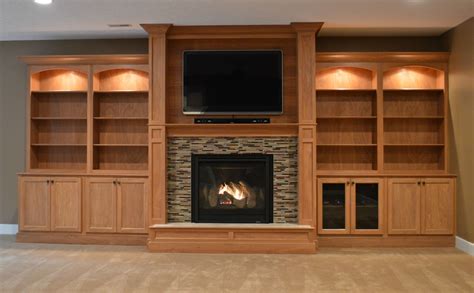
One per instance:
(73, 19)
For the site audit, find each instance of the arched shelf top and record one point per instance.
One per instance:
(59, 79)
(413, 77)
(124, 78)
(346, 78)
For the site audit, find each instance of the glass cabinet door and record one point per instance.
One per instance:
(366, 206)
(334, 206)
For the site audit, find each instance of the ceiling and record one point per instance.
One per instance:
(79, 19)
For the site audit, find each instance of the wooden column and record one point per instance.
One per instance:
(157, 120)
(306, 62)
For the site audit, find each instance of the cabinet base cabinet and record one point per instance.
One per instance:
(78, 238)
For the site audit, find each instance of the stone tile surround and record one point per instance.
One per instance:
(285, 187)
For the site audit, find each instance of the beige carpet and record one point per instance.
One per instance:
(76, 268)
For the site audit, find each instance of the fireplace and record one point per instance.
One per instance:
(235, 188)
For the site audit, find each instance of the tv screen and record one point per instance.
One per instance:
(232, 82)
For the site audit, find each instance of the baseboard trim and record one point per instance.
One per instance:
(465, 245)
(8, 229)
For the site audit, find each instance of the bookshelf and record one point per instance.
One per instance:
(120, 118)
(346, 111)
(414, 119)
(58, 119)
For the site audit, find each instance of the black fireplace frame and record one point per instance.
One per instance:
(232, 216)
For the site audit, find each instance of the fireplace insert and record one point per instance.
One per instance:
(234, 188)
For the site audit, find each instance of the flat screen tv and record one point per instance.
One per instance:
(232, 82)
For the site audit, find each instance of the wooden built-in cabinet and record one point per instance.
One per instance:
(350, 205)
(421, 206)
(87, 150)
(50, 204)
(116, 205)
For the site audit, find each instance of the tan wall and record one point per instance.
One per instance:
(12, 103)
(461, 99)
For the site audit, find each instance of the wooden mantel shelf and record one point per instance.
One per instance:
(232, 238)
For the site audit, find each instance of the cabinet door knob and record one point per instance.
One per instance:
(47, 181)
(52, 181)
(419, 182)
(424, 182)
(115, 182)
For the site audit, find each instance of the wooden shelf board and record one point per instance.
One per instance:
(58, 118)
(121, 118)
(347, 145)
(347, 117)
(414, 89)
(413, 117)
(119, 145)
(121, 91)
(348, 89)
(414, 145)
(59, 92)
(58, 145)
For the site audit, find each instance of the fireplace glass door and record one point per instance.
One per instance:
(232, 188)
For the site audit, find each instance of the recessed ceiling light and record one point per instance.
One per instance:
(43, 2)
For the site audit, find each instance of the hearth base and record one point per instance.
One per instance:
(232, 238)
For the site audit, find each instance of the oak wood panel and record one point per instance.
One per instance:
(66, 204)
(413, 103)
(347, 131)
(158, 58)
(120, 131)
(59, 131)
(381, 206)
(306, 171)
(438, 209)
(230, 31)
(175, 49)
(350, 157)
(342, 77)
(59, 104)
(49, 60)
(63, 157)
(158, 165)
(34, 205)
(78, 238)
(59, 80)
(100, 205)
(306, 46)
(232, 239)
(413, 77)
(347, 206)
(342, 103)
(121, 104)
(414, 131)
(338, 57)
(121, 157)
(404, 206)
(132, 205)
(237, 130)
(407, 158)
(125, 78)
(392, 241)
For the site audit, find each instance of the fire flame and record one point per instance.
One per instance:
(238, 191)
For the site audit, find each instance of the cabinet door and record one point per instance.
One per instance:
(404, 206)
(34, 204)
(101, 205)
(66, 204)
(438, 206)
(132, 205)
(367, 202)
(334, 206)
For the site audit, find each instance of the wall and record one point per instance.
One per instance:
(12, 103)
(13, 90)
(461, 98)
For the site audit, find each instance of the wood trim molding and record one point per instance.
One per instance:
(159, 29)
(231, 32)
(382, 57)
(85, 59)
(307, 26)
